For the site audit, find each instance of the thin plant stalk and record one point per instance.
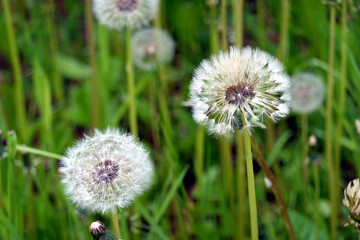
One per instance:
(92, 58)
(131, 84)
(328, 126)
(115, 222)
(261, 18)
(251, 187)
(284, 32)
(24, 148)
(275, 188)
(224, 42)
(304, 153)
(15, 63)
(342, 95)
(53, 43)
(238, 9)
(317, 200)
(225, 146)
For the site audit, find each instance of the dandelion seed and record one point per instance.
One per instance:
(152, 47)
(119, 14)
(106, 170)
(307, 92)
(241, 84)
(352, 202)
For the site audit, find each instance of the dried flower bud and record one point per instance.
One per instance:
(357, 125)
(352, 202)
(267, 182)
(211, 3)
(97, 228)
(312, 141)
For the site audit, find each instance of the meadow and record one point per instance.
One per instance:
(64, 73)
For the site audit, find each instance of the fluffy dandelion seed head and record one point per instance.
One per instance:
(152, 47)
(307, 92)
(240, 85)
(118, 14)
(106, 170)
(352, 202)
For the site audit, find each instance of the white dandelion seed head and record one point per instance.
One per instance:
(106, 170)
(307, 92)
(118, 14)
(242, 83)
(152, 47)
(351, 201)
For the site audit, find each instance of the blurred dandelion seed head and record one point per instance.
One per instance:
(307, 92)
(240, 84)
(118, 14)
(351, 200)
(106, 170)
(152, 47)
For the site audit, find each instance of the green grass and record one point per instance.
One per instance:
(47, 94)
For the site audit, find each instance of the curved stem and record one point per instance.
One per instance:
(275, 187)
(131, 83)
(38, 152)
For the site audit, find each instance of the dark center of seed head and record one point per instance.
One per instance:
(239, 93)
(105, 172)
(127, 5)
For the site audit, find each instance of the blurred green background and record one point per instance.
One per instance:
(46, 98)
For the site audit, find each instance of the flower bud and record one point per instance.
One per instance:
(352, 202)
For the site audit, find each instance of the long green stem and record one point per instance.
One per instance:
(275, 187)
(241, 186)
(131, 84)
(261, 18)
(238, 10)
(317, 200)
(15, 63)
(92, 58)
(251, 187)
(342, 95)
(328, 126)
(38, 152)
(53, 44)
(224, 43)
(304, 154)
(115, 222)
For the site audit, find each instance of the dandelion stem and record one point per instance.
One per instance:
(342, 92)
(91, 50)
(131, 83)
(115, 221)
(224, 43)
(251, 186)
(238, 9)
(317, 200)
(275, 187)
(304, 153)
(38, 152)
(328, 126)
(15, 62)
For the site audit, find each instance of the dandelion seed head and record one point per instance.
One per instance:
(152, 47)
(240, 85)
(118, 14)
(106, 170)
(307, 92)
(351, 200)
